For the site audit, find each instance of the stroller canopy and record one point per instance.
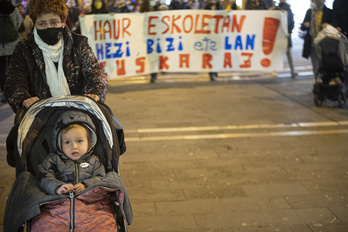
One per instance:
(73, 102)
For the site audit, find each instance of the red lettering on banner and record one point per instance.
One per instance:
(99, 30)
(226, 24)
(107, 29)
(196, 30)
(228, 60)
(151, 25)
(217, 19)
(204, 23)
(116, 32)
(206, 61)
(184, 23)
(120, 67)
(140, 61)
(162, 62)
(166, 17)
(247, 63)
(198, 24)
(174, 25)
(103, 65)
(237, 25)
(125, 26)
(184, 60)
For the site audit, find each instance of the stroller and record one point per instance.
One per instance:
(332, 51)
(29, 142)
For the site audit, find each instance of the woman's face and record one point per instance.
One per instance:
(49, 20)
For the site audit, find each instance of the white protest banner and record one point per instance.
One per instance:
(187, 41)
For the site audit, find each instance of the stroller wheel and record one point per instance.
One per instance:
(317, 100)
(341, 100)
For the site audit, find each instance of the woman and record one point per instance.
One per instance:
(316, 18)
(53, 61)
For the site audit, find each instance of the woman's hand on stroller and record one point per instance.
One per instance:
(28, 102)
(65, 188)
(79, 187)
(93, 96)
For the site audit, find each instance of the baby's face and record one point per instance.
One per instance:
(75, 142)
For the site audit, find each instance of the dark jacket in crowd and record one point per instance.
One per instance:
(209, 6)
(174, 5)
(26, 77)
(340, 15)
(123, 9)
(327, 18)
(252, 5)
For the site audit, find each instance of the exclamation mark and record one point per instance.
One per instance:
(270, 29)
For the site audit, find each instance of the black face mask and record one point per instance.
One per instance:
(51, 36)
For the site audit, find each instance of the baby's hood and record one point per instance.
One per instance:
(73, 117)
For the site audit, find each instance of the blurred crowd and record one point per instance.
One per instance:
(77, 8)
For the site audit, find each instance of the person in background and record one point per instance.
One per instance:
(10, 22)
(340, 16)
(283, 6)
(145, 6)
(255, 5)
(27, 24)
(213, 5)
(274, 6)
(194, 4)
(54, 61)
(185, 4)
(148, 6)
(74, 13)
(121, 7)
(130, 5)
(163, 7)
(98, 7)
(232, 5)
(174, 5)
(137, 7)
(317, 17)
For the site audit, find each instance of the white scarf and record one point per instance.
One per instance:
(55, 78)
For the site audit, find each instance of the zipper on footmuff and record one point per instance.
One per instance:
(72, 200)
(72, 209)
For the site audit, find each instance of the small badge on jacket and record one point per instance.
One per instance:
(84, 165)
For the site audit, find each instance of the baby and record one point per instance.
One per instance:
(73, 167)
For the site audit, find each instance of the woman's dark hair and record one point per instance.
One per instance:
(38, 7)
